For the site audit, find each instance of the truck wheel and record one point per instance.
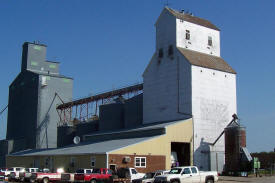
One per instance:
(174, 181)
(45, 180)
(92, 181)
(209, 181)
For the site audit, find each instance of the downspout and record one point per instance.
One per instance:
(190, 115)
(107, 160)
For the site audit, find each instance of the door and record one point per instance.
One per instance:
(186, 176)
(196, 178)
(133, 174)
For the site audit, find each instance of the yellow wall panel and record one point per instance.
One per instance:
(178, 132)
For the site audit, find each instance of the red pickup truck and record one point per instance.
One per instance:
(98, 174)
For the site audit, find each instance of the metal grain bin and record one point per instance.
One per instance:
(235, 138)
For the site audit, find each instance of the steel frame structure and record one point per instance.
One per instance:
(84, 109)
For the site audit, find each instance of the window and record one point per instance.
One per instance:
(187, 35)
(72, 162)
(133, 171)
(93, 159)
(194, 170)
(186, 171)
(175, 171)
(160, 53)
(209, 41)
(170, 50)
(80, 171)
(157, 174)
(140, 162)
(88, 171)
(97, 170)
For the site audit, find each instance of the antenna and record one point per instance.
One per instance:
(166, 3)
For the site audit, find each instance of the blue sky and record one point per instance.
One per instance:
(106, 44)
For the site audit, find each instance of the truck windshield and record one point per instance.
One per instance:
(149, 175)
(175, 171)
(80, 171)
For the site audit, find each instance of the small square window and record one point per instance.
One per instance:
(140, 162)
(187, 35)
(210, 41)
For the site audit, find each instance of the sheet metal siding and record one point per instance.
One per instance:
(167, 89)
(81, 161)
(111, 116)
(165, 31)
(125, 135)
(213, 104)
(22, 112)
(32, 56)
(86, 128)
(133, 111)
(235, 138)
(47, 114)
(65, 135)
(34, 59)
(3, 152)
(198, 38)
(178, 132)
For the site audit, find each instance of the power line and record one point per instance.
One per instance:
(3, 110)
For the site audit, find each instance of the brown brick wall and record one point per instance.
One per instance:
(153, 162)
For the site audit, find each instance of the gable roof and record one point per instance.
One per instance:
(206, 60)
(192, 19)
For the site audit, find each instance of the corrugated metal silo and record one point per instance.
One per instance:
(235, 139)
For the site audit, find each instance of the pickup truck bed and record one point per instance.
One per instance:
(187, 174)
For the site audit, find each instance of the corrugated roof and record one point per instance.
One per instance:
(206, 60)
(84, 148)
(192, 19)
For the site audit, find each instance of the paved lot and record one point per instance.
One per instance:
(228, 179)
(246, 179)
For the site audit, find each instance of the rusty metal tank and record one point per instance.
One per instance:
(235, 138)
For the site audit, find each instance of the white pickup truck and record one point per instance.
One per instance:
(187, 174)
(13, 173)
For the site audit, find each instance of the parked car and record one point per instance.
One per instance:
(187, 174)
(2, 175)
(26, 175)
(13, 173)
(69, 177)
(130, 173)
(97, 174)
(150, 177)
(46, 176)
